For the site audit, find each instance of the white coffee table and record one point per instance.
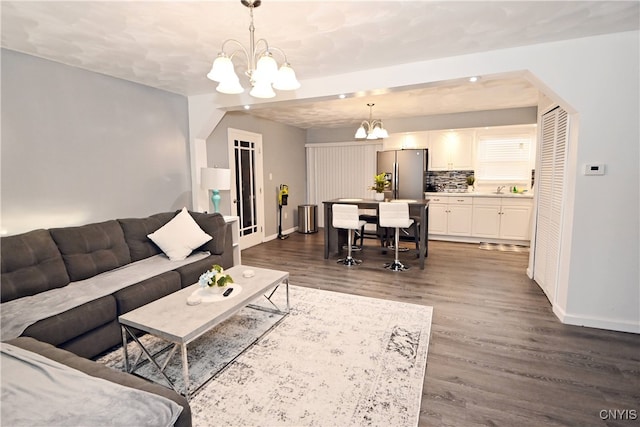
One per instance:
(171, 319)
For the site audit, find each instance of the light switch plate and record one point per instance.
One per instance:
(594, 169)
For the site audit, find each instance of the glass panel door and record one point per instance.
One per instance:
(247, 194)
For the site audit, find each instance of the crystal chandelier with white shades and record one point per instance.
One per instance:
(262, 68)
(374, 128)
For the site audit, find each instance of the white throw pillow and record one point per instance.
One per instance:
(180, 236)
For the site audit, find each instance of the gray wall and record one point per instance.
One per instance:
(80, 147)
(512, 116)
(284, 158)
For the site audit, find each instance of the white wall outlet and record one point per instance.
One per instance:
(285, 215)
(594, 169)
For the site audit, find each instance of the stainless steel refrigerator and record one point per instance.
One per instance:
(406, 171)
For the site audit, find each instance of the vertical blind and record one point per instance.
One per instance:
(336, 170)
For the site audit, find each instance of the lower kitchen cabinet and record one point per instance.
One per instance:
(501, 218)
(437, 216)
(486, 217)
(478, 218)
(516, 219)
(450, 215)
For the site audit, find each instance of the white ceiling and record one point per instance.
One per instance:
(170, 45)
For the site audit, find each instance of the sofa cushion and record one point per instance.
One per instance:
(72, 323)
(101, 371)
(96, 341)
(190, 273)
(180, 236)
(92, 249)
(216, 226)
(31, 263)
(144, 292)
(136, 231)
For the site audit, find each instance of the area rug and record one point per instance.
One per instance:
(503, 247)
(337, 359)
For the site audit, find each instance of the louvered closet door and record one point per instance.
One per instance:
(550, 178)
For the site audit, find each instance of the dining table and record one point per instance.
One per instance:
(333, 240)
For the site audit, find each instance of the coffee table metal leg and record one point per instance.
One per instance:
(125, 353)
(169, 356)
(149, 357)
(276, 309)
(185, 371)
(286, 282)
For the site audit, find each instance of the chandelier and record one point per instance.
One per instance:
(375, 128)
(262, 68)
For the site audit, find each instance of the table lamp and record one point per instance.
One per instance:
(215, 179)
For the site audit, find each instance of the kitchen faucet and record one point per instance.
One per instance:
(499, 189)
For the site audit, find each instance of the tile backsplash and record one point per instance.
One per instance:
(457, 180)
(441, 180)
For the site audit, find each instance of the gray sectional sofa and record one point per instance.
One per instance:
(43, 262)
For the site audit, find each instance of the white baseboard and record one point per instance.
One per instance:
(275, 236)
(596, 322)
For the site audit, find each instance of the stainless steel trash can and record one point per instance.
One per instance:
(307, 215)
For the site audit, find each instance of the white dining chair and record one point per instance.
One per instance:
(395, 215)
(347, 217)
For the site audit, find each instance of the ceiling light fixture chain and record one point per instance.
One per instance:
(375, 128)
(262, 69)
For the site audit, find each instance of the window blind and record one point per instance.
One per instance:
(504, 158)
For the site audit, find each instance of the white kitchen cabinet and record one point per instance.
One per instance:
(437, 216)
(459, 216)
(450, 215)
(449, 150)
(516, 219)
(486, 217)
(501, 218)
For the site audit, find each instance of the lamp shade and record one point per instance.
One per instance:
(231, 86)
(222, 69)
(286, 78)
(262, 89)
(266, 69)
(215, 179)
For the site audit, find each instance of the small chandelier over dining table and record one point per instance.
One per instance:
(375, 128)
(262, 68)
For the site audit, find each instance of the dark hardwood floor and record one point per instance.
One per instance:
(498, 356)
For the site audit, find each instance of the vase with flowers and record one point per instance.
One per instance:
(215, 280)
(380, 183)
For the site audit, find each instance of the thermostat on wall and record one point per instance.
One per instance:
(594, 169)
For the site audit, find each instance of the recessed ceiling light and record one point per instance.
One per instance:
(247, 107)
(342, 96)
(473, 79)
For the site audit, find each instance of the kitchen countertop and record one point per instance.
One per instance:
(527, 195)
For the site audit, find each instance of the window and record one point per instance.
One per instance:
(504, 158)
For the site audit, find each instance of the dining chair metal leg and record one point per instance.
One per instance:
(396, 265)
(349, 260)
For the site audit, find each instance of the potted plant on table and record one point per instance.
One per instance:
(470, 181)
(215, 280)
(380, 183)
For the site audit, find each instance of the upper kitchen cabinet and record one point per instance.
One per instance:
(451, 150)
(406, 141)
